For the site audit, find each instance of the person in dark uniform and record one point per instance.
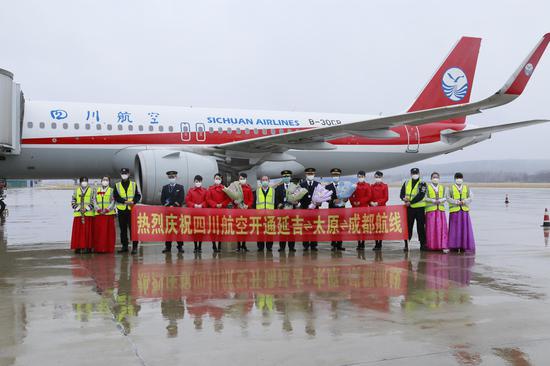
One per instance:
(126, 196)
(310, 183)
(412, 194)
(173, 195)
(282, 204)
(335, 202)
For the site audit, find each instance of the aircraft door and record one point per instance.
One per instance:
(201, 132)
(413, 139)
(185, 131)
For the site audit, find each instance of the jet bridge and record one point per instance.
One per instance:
(12, 104)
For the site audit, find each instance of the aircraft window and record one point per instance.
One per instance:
(229, 130)
(238, 130)
(247, 131)
(171, 128)
(54, 125)
(220, 130)
(120, 127)
(42, 125)
(29, 124)
(281, 131)
(109, 127)
(65, 125)
(130, 127)
(161, 128)
(264, 131)
(211, 129)
(255, 131)
(140, 127)
(151, 128)
(273, 131)
(98, 127)
(76, 126)
(87, 126)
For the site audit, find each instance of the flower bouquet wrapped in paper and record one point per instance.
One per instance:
(344, 190)
(294, 194)
(235, 192)
(320, 195)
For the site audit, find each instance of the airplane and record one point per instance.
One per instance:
(54, 140)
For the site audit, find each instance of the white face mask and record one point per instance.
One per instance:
(435, 180)
(84, 184)
(242, 181)
(459, 181)
(361, 179)
(335, 178)
(104, 183)
(172, 180)
(265, 183)
(217, 181)
(198, 184)
(415, 176)
(378, 180)
(310, 176)
(124, 176)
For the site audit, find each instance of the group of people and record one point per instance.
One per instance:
(95, 209)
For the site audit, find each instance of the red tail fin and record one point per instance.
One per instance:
(453, 81)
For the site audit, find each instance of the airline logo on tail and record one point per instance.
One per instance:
(454, 84)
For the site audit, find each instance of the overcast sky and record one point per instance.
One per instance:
(307, 55)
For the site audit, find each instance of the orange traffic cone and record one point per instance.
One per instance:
(546, 222)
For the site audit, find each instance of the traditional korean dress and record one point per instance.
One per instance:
(436, 221)
(461, 233)
(83, 216)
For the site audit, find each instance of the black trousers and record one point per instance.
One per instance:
(282, 245)
(168, 244)
(2, 207)
(309, 244)
(418, 215)
(268, 245)
(125, 225)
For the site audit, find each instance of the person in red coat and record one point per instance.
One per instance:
(361, 198)
(379, 198)
(216, 198)
(248, 201)
(196, 198)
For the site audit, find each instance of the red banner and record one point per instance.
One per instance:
(159, 223)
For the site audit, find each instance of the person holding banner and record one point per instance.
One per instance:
(217, 198)
(436, 221)
(379, 198)
(310, 184)
(282, 203)
(265, 200)
(173, 195)
(412, 194)
(104, 220)
(196, 198)
(461, 233)
(247, 202)
(361, 198)
(335, 202)
(83, 213)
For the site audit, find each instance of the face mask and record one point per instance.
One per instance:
(198, 184)
(84, 184)
(286, 179)
(104, 183)
(378, 180)
(242, 181)
(172, 180)
(124, 176)
(435, 180)
(217, 181)
(310, 177)
(415, 176)
(361, 179)
(459, 181)
(335, 178)
(265, 183)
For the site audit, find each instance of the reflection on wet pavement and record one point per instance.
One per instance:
(293, 308)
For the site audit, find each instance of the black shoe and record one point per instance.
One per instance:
(341, 248)
(123, 250)
(134, 249)
(180, 250)
(291, 249)
(314, 249)
(77, 251)
(166, 250)
(423, 248)
(406, 248)
(377, 248)
(281, 250)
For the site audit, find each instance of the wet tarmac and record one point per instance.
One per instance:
(491, 308)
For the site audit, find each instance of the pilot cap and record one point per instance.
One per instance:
(124, 171)
(336, 171)
(310, 170)
(171, 172)
(286, 172)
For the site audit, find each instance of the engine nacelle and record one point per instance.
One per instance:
(151, 167)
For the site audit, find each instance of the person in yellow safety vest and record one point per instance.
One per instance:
(126, 196)
(83, 214)
(412, 194)
(436, 221)
(104, 221)
(265, 200)
(461, 233)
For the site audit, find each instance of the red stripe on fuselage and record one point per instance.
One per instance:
(429, 133)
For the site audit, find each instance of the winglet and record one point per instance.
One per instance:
(518, 81)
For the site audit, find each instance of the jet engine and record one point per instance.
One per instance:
(151, 167)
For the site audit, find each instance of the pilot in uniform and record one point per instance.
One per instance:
(173, 195)
(335, 202)
(310, 183)
(282, 204)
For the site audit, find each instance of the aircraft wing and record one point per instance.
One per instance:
(315, 138)
(483, 131)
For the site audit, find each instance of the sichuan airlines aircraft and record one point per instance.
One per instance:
(67, 140)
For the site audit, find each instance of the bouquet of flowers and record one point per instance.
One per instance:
(294, 194)
(320, 195)
(344, 190)
(235, 192)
